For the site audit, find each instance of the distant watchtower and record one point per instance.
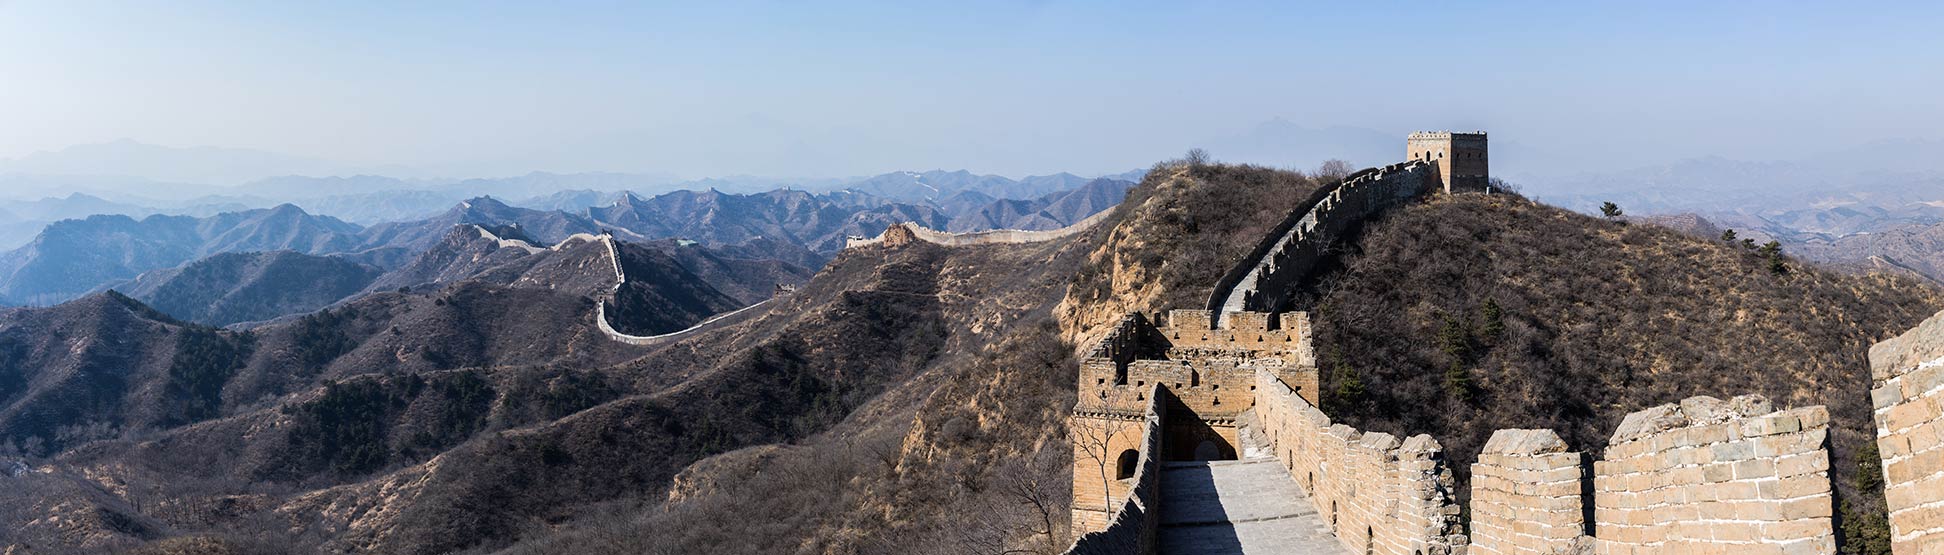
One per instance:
(1461, 158)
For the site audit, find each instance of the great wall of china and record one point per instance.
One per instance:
(1179, 415)
(1184, 396)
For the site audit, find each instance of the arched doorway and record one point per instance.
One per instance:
(1208, 451)
(1124, 468)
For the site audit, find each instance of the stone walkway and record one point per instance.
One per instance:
(1250, 506)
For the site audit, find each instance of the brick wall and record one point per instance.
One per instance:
(1132, 527)
(1100, 438)
(1526, 495)
(1713, 476)
(1378, 494)
(1909, 398)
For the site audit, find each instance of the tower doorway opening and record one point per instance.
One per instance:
(1208, 451)
(1124, 468)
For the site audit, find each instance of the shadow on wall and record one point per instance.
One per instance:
(1194, 516)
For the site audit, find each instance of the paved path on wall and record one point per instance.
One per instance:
(1250, 506)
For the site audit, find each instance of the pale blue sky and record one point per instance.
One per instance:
(838, 88)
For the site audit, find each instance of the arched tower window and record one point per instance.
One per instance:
(1124, 468)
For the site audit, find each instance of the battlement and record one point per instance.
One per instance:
(1446, 135)
(1700, 476)
(1196, 358)
(1262, 281)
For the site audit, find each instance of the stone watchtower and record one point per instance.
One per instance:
(1460, 157)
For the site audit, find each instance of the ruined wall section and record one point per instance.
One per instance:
(1526, 495)
(1379, 495)
(1908, 372)
(1713, 476)
(1132, 527)
(1262, 281)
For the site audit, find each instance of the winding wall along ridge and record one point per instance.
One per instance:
(990, 237)
(600, 308)
(1263, 281)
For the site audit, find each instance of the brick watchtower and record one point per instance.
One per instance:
(1461, 158)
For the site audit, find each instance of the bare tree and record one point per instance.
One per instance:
(1503, 186)
(1334, 169)
(1196, 158)
(1096, 443)
(1036, 485)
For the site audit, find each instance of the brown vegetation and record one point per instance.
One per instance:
(1474, 313)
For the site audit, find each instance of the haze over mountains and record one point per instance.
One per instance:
(263, 263)
(1876, 207)
(466, 386)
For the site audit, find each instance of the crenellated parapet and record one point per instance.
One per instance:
(1909, 398)
(1378, 494)
(1263, 281)
(1209, 369)
(1714, 476)
(1700, 476)
(1527, 495)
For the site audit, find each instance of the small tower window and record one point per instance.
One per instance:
(1124, 468)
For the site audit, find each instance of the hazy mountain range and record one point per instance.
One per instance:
(471, 395)
(170, 180)
(195, 268)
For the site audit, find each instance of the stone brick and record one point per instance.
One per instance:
(1886, 396)
(1771, 425)
(1808, 508)
(1921, 381)
(1190, 319)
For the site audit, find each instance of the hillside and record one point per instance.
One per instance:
(1913, 248)
(912, 399)
(1468, 314)
(417, 235)
(966, 450)
(1178, 233)
(1052, 211)
(378, 424)
(70, 258)
(817, 222)
(73, 257)
(229, 288)
(103, 363)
